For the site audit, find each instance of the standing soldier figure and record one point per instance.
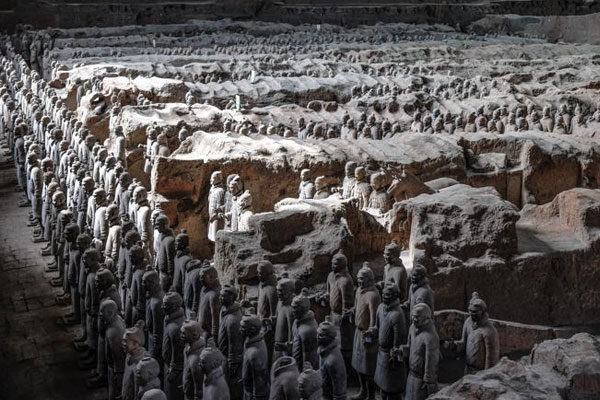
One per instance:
(390, 374)
(230, 341)
(364, 355)
(479, 341)
(423, 354)
(216, 205)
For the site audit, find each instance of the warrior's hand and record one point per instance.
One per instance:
(397, 354)
(430, 387)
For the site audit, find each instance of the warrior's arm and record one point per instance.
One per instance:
(492, 347)
(215, 306)
(432, 353)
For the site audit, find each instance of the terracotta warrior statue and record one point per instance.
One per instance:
(182, 258)
(255, 366)
(479, 340)
(113, 328)
(331, 363)
(284, 379)
(306, 190)
(361, 190)
(211, 365)
(209, 309)
(104, 282)
(147, 371)
(245, 211)
(349, 179)
(84, 242)
(133, 344)
(154, 394)
(113, 240)
(133, 292)
(192, 288)
(379, 198)
(304, 345)
(230, 341)
(154, 312)
(340, 298)
(165, 252)
(91, 263)
(423, 354)
(364, 355)
(142, 218)
(72, 273)
(235, 188)
(122, 193)
(267, 298)
(419, 290)
(310, 384)
(216, 205)
(284, 319)
(394, 270)
(193, 378)
(172, 345)
(392, 329)
(321, 189)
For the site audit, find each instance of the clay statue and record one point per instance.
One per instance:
(306, 190)
(133, 344)
(165, 252)
(304, 346)
(392, 329)
(146, 376)
(211, 365)
(209, 309)
(340, 298)
(193, 378)
(172, 345)
(331, 363)
(113, 239)
(154, 394)
(284, 319)
(479, 340)
(134, 293)
(113, 326)
(284, 379)
(423, 354)
(255, 366)
(192, 288)
(104, 282)
(349, 179)
(83, 244)
(267, 300)
(216, 205)
(361, 190)
(321, 189)
(419, 290)
(142, 218)
(245, 211)
(310, 384)
(235, 188)
(379, 198)
(91, 263)
(72, 272)
(364, 354)
(394, 270)
(122, 193)
(121, 145)
(154, 312)
(230, 341)
(182, 258)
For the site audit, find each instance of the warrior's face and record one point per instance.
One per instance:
(476, 313)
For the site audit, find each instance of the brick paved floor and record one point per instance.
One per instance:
(37, 360)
